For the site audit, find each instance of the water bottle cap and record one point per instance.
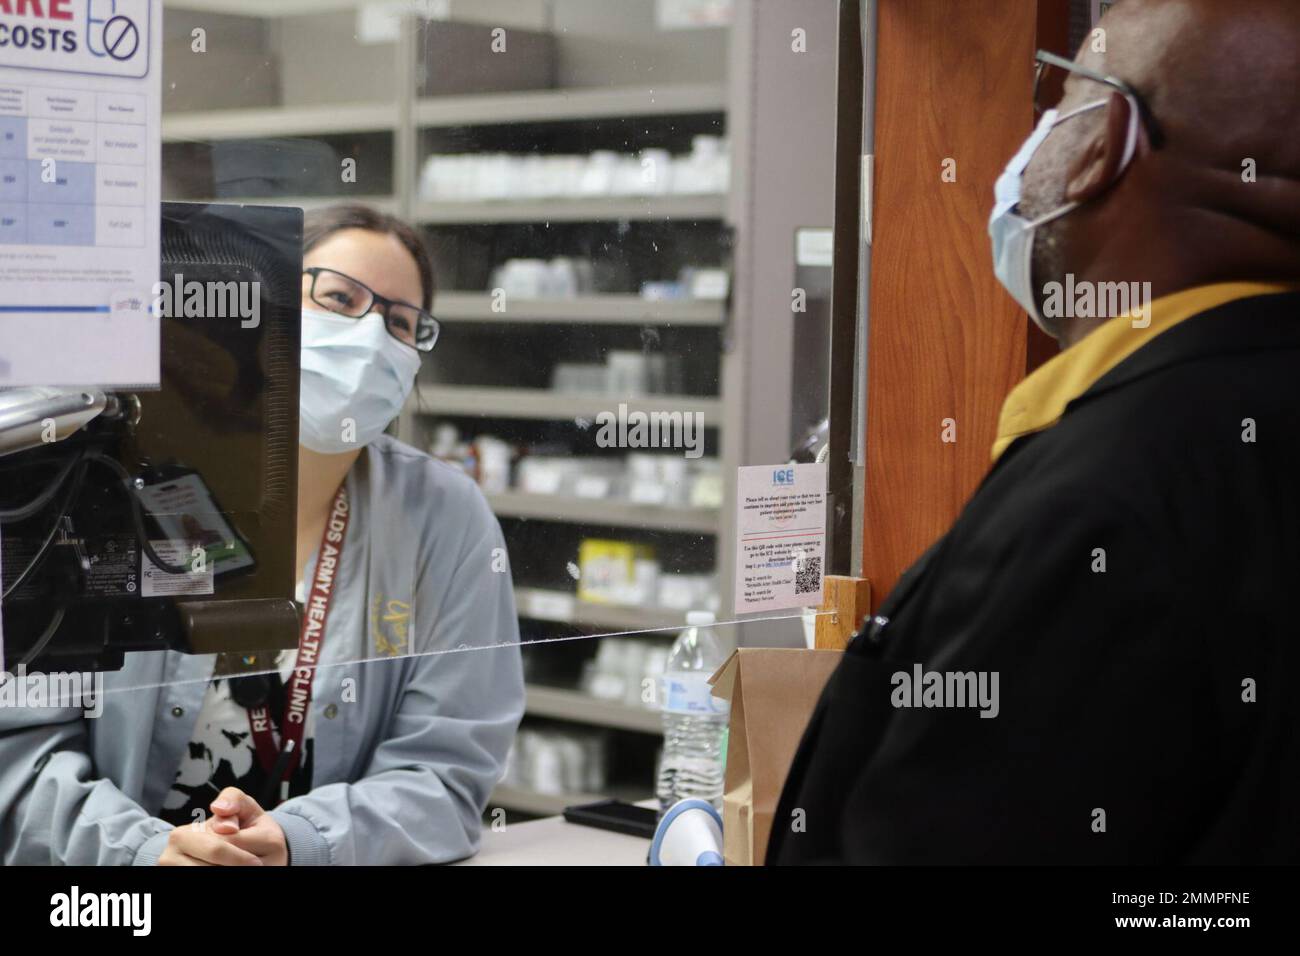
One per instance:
(699, 618)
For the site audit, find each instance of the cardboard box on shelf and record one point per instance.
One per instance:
(772, 693)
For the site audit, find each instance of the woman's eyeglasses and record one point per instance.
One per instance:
(340, 293)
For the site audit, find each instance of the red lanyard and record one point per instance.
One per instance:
(309, 641)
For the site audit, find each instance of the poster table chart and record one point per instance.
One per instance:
(72, 167)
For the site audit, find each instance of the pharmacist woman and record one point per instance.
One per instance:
(401, 744)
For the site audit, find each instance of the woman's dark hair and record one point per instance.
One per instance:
(319, 224)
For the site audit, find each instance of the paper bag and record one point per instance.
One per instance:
(772, 693)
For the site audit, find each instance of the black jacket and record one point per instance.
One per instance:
(1121, 691)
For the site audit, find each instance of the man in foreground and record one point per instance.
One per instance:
(1122, 578)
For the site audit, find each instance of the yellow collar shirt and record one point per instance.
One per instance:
(1039, 401)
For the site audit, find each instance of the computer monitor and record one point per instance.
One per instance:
(168, 522)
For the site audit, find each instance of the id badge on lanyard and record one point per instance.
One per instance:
(280, 761)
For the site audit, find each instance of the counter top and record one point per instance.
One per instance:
(553, 841)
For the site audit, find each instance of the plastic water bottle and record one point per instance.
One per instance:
(695, 722)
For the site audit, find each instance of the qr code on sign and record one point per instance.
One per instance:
(808, 578)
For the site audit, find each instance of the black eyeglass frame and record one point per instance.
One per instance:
(426, 323)
(1044, 59)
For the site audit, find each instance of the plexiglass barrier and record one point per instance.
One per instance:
(550, 410)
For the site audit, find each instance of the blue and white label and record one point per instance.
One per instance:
(686, 693)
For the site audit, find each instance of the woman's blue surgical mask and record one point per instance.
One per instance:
(1013, 235)
(355, 380)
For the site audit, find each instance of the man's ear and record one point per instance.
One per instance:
(1095, 169)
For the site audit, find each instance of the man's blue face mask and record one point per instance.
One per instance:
(1012, 234)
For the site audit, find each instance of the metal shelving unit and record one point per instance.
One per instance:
(562, 704)
(541, 404)
(404, 118)
(564, 209)
(563, 607)
(585, 310)
(610, 512)
(478, 109)
(279, 121)
(385, 203)
(576, 106)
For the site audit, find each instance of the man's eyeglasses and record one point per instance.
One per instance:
(1049, 81)
(339, 293)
